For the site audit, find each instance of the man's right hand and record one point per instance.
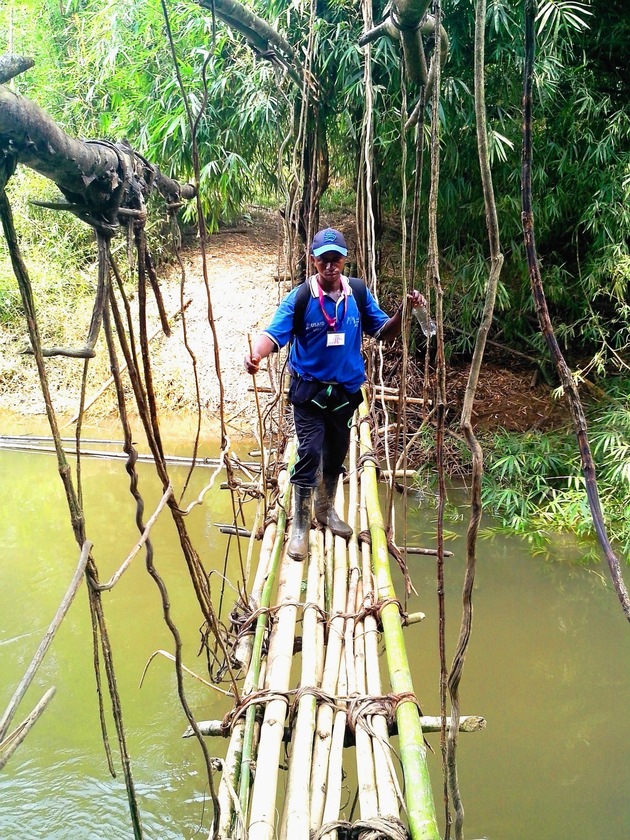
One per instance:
(252, 363)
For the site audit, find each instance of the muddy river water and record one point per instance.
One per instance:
(548, 666)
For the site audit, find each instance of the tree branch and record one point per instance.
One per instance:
(13, 65)
(97, 177)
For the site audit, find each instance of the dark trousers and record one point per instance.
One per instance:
(322, 415)
(323, 439)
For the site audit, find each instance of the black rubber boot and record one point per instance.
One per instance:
(325, 512)
(298, 546)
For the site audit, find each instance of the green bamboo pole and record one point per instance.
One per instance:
(413, 754)
(390, 797)
(261, 624)
(244, 646)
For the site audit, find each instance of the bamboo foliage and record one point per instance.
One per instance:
(544, 319)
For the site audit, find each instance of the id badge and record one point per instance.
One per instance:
(335, 339)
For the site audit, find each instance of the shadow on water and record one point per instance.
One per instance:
(548, 666)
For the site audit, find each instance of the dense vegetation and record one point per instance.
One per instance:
(104, 69)
(535, 485)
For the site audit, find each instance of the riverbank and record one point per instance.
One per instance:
(241, 270)
(242, 266)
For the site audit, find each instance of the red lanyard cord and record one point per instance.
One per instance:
(332, 322)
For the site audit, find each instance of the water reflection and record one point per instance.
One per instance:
(548, 667)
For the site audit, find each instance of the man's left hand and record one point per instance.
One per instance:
(416, 299)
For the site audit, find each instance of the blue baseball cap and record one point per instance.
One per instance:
(328, 240)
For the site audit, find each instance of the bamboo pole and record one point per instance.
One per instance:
(355, 643)
(334, 650)
(231, 819)
(262, 821)
(229, 805)
(322, 622)
(261, 625)
(353, 564)
(295, 826)
(418, 793)
(329, 566)
(387, 791)
(258, 518)
(430, 723)
(175, 460)
(366, 774)
(261, 434)
(245, 643)
(396, 397)
(335, 762)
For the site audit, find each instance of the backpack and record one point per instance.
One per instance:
(359, 290)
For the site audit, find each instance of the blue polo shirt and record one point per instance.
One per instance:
(312, 356)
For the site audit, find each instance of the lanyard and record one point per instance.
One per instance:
(332, 322)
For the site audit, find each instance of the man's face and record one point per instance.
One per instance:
(329, 266)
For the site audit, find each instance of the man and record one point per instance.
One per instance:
(326, 320)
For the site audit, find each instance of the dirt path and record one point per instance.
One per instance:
(242, 265)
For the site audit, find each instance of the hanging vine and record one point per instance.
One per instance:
(496, 263)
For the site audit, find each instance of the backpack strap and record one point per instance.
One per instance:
(301, 302)
(359, 290)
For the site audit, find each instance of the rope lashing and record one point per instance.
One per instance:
(249, 617)
(377, 828)
(374, 609)
(357, 708)
(362, 708)
(369, 457)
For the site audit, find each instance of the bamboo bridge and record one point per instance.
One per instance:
(344, 597)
